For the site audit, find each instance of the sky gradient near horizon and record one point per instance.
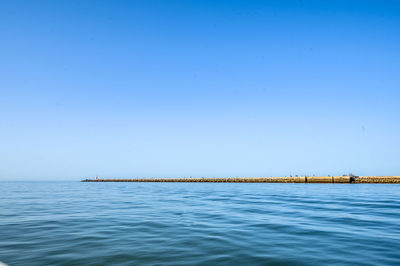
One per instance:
(198, 88)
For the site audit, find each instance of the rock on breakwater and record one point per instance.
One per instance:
(377, 180)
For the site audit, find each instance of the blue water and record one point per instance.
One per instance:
(73, 223)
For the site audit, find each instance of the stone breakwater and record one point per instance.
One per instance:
(300, 179)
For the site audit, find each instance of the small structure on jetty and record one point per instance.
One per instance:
(349, 179)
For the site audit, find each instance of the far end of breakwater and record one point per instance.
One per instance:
(297, 179)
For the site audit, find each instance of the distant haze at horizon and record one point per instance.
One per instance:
(206, 88)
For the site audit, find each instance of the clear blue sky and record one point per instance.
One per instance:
(198, 88)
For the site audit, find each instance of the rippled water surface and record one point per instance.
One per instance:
(73, 223)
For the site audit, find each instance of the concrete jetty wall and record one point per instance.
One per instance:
(328, 179)
(297, 179)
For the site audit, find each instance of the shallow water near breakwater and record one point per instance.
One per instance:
(68, 223)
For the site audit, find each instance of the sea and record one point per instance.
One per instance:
(75, 223)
